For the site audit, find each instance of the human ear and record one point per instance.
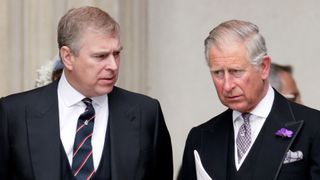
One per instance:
(67, 57)
(265, 67)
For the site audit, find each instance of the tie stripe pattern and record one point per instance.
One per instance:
(82, 163)
(244, 136)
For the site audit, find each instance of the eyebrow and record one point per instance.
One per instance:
(108, 52)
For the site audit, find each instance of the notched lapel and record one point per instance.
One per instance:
(274, 148)
(124, 138)
(295, 127)
(42, 118)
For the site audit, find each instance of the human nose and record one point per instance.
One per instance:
(228, 82)
(112, 63)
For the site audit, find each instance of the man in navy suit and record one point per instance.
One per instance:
(261, 135)
(128, 138)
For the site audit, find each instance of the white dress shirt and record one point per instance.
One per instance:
(258, 116)
(70, 108)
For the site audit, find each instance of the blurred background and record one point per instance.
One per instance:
(163, 48)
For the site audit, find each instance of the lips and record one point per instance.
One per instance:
(107, 80)
(233, 98)
(110, 78)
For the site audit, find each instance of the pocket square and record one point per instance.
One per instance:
(201, 172)
(293, 157)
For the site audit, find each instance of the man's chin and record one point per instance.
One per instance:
(102, 90)
(107, 90)
(237, 106)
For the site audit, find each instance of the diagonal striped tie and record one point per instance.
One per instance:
(82, 163)
(244, 136)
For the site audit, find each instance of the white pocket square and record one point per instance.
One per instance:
(293, 157)
(201, 172)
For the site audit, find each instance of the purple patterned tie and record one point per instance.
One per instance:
(82, 163)
(244, 136)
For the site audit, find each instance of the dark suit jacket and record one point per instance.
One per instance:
(30, 139)
(211, 141)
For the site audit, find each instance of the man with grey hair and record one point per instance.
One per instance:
(261, 135)
(82, 126)
(281, 79)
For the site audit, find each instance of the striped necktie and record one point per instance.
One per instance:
(82, 163)
(244, 136)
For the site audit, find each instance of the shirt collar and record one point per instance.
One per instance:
(71, 96)
(262, 109)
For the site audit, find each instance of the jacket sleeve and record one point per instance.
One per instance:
(315, 157)
(4, 150)
(163, 163)
(188, 169)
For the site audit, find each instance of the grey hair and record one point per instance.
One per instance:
(240, 32)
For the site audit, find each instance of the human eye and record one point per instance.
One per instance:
(236, 72)
(217, 73)
(116, 54)
(100, 56)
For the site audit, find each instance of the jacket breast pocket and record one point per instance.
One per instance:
(293, 171)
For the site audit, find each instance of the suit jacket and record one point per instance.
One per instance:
(30, 137)
(211, 141)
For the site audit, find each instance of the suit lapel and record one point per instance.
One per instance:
(216, 139)
(124, 137)
(42, 118)
(274, 148)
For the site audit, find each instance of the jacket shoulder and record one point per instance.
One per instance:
(216, 121)
(310, 116)
(30, 96)
(131, 97)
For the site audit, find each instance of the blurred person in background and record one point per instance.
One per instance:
(49, 72)
(281, 78)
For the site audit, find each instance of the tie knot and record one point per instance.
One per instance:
(246, 116)
(87, 101)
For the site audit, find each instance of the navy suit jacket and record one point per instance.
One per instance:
(211, 141)
(30, 137)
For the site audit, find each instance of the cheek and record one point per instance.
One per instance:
(94, 69)
(88, 74)
(97, 69)
(216, 83)
(218, 86)
(252, 87)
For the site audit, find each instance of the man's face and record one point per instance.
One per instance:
(239, 85)
(94, 71)
(289, 88)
